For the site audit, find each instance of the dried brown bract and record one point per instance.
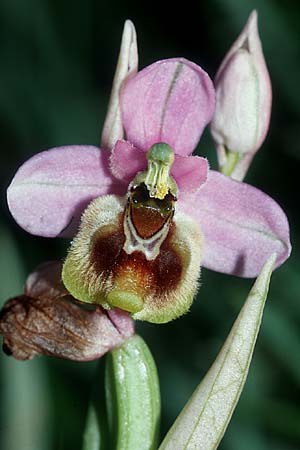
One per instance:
(47, 321)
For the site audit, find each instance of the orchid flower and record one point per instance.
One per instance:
(150, 213)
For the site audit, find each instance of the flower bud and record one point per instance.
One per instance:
(243, 102)
(127, 65)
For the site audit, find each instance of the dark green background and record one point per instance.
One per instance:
(57, 60)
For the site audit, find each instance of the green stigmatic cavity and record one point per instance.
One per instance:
(157, 177)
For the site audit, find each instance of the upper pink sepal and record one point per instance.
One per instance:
(189, 172)
(50, 190)
(241, 226)
(169, 101)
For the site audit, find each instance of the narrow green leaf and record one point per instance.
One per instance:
(95, 435)
(92, 432)
(204, 419)
(25, 405)
(24, 399)
(133, 397)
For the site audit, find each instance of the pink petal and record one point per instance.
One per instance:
(169, 101)
(190, 172)
(51, 189)
(126, 160)
(241, 225)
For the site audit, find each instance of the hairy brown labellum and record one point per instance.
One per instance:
(130, 254)
(158, 276)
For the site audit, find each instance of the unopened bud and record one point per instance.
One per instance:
(243, 102)
(127, 65)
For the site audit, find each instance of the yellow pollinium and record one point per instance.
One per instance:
(157, 177)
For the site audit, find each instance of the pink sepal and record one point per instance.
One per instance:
(169, 101)
(50, 191)
(241, 226)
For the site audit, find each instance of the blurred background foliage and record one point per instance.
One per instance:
(57, 61)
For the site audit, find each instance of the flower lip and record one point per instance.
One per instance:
(101, 268)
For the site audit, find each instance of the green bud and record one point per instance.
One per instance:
(133, 397)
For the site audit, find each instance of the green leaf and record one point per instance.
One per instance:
(25, 405)
(11, 266)
(24, 399)
(204, 419)
(92, 433)
(133, 397)
(95, 436)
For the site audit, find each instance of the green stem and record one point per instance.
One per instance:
(231, 161)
